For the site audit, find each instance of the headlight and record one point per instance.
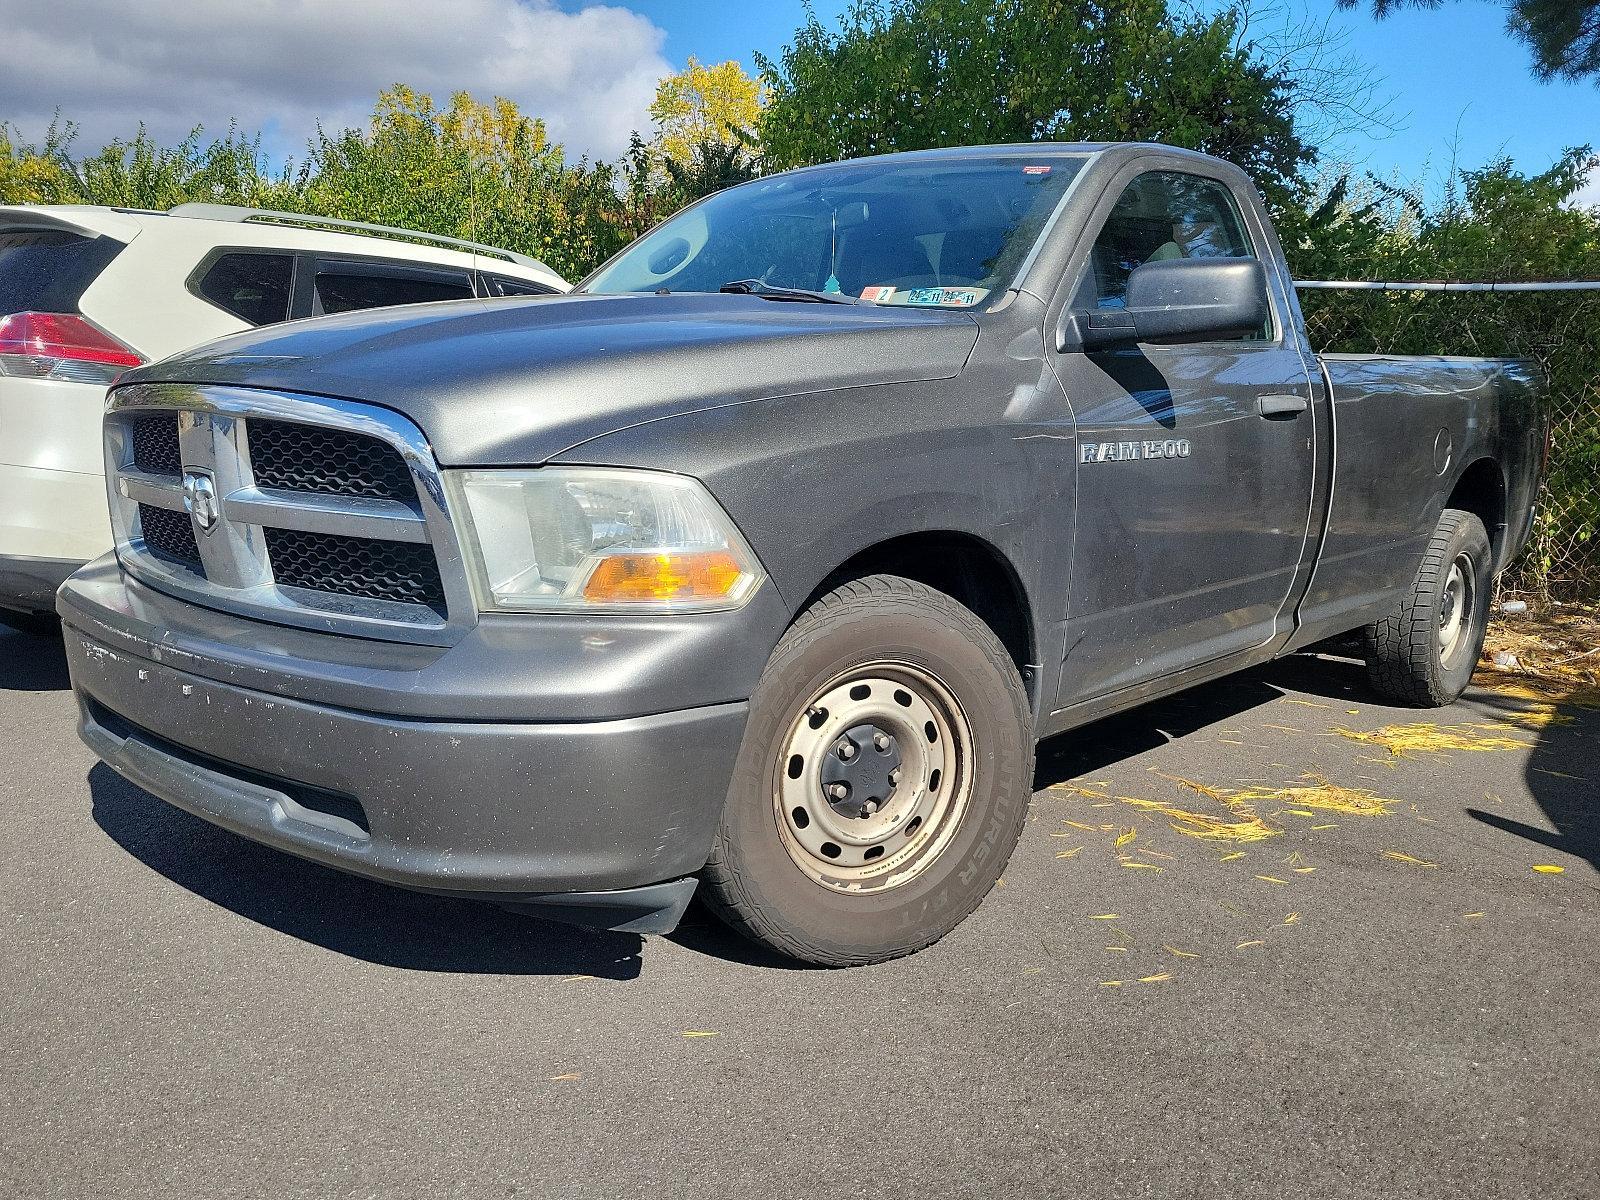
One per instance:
(599, 539)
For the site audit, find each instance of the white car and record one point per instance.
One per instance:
(86, 292)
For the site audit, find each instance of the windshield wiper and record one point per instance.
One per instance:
(771, 291)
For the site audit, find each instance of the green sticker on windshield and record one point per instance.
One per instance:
(946, 296)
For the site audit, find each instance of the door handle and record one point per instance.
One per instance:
(1282, 406)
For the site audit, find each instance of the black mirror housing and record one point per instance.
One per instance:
(1177, 301)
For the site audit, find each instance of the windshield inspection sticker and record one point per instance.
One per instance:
(1036, 170)
(877, 294)
(954, 297)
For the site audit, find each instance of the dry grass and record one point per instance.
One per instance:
(1557, 653)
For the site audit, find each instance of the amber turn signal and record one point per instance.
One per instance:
(681, 575)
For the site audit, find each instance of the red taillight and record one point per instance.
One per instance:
(61, 346)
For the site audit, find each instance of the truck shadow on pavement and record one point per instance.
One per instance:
(32, 662)
(1561, 780)
(370, 921)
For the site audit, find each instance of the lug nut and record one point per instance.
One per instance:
(870, 807)
(894, 775)
(881, 741)
(847, 751)
(838, 791)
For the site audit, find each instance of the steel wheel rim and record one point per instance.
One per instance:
(893, 845)
(1455, 610)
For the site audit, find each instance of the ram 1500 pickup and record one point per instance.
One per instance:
(762, 562)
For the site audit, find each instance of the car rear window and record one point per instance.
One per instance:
(253, 287)
(48, 270)
(343, 291)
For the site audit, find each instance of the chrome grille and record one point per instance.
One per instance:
(335, 462)
(295, 509)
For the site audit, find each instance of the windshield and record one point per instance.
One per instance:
(927, 233)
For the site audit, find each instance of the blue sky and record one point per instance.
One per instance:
(589, 68)
(1455, 75)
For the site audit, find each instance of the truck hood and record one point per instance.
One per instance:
(516, 382)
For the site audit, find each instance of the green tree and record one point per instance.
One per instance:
(485, 172)
(910, 74)
(1564, 35)
(37, 174)
(710, 167)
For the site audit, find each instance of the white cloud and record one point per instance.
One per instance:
(1589, 195)
(282, 65)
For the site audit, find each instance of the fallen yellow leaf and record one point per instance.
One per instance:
(1231, 857)
(1139, 866)
(1299, 812)
(1118, 949)
(1164, 975)
(1271, 879)
(1548, 869)
(1126, 836)
(1104, 917)
(569, 1077)
(1072, 853)
(1291, 918)
(1471, 916)
(1111, 983)
(699, 1033)
(1426, 737)
(1406, 858)
(1254, 942)
(1180, 953)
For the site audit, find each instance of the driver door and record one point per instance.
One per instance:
(1194, 498)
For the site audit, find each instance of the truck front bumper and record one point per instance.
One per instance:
(598, 822)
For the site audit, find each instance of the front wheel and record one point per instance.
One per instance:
(883, 780)
(1423, 654)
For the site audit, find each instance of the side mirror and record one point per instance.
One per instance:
(1173, 302)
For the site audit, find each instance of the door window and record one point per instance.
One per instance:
(344, 287)
(1161, 215)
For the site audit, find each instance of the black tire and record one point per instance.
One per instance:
(1407, 662)
(881, 627)
(37, 623)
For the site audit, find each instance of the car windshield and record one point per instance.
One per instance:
(926, 233)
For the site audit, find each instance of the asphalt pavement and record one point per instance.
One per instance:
(1258, 941)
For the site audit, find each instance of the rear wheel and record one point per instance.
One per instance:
(1424, 653)
(883, 780)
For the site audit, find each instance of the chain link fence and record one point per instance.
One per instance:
(1556, 327)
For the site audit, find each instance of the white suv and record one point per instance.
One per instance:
(87, 292)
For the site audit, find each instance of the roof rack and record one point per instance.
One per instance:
(234, 212)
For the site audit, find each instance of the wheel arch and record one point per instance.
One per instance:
(965, 567)
(1480, 489)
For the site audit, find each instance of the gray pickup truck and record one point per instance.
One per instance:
(762, 562)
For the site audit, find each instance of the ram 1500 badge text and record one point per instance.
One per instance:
(762, 561)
